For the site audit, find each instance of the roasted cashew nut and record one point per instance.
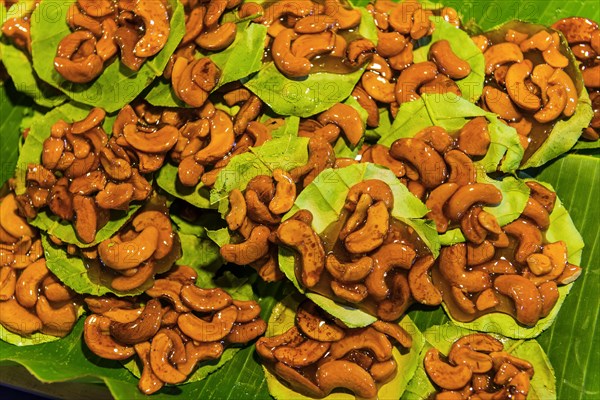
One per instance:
(528, 235)
(253, 249)
(156, 23)
(348, 375)
(347, 118)
(557, 101)
(208, 331)
(97, 339)
(83, 70)
(524, 293)
(517, 89)
(18, 319)
(387, 257)
(474, 137)
(143, 328)
(447, 61)
(353, 271)
(445, 375)
(500, 54)
(205, 300)
(310, 321)
(452, 265)
(471, 194)
(159, 141)
(302, 238)
(412, 78)
(302, 355)
(160, 350)
(372, 234)
(285, 192)
(421, 287)
(285, 60)
(129, 254)
(431, 166)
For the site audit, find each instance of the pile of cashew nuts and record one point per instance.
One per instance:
(511, 269)
(135, 29)
(478, 368)
(319, 354)
(173, 328)
(32, 299)
(583, 37)
(528, 85)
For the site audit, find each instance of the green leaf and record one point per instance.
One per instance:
(82, 275)
(543, 383)
(352, 317)
(301, 97)
(282, 319)
(471, 86)
(117, 85)
(241, 59)
(452, 113)
(286, 152)
(198, 252)
(25, 80)
(168, 181)
(14, 107)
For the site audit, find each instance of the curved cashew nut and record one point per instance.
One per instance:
(156, 23)
(378, 190)
(302, 355)
(83, 70)
(244, 333)
(372, 234)
(29, 282)
(219, 38)
(160, 350)
(394, 331)
(499, 103)
(204, 331)
(517, 89)
(140, 275)
(265, 345)
(11, 222)
(358, 339)
(100, 343)
(388, 256)
(247, 310)
(524, 293)
(205, 300)
(8, 282)
(311, 45)
(431, 166)
(353, 271)
(539, 41)
(421, 287)
(447, 61)
(96, 8)
(165, 230)
(437, 137)
(557, 101)
(445, 375)
(470, 194)
(315, 24)
(303, 239)
(536, 212)
(143, 328)
(591, 77)
(542, 194)
(351, 292)
(436, 201)
(221, 139)
(159, 141)
(297, 381)
(149, 382)
(471, 228)
(381, 155)
(412, 78)
(453, 262)
(576, 29)
(237, 213)
(553, 56)
(378, 87)
(253, 249)
(347, 118)
(285, 60)
(501, 53)
(474, 137)
(125, 255)
(528, 235)
(560, 77)
(16, 318)
(549, 295)
(557, 253)
(169, 290)
(348, 375)
(539, 264)
(285, 192)
(310, 321)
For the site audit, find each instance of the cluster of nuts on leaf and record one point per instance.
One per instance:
(83, 174)
(528, 81)
(175, 327)
(511, 269)
(583, 36)
(32, 299)
(478, 368)
(137, 29)
(319, 354)
(369, 259)
(17, 29)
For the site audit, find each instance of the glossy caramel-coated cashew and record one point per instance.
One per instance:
(302, 238)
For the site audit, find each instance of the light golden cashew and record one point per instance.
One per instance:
(394, 331)
(471, 194)
(284, 59)
(138, 277)
(499, 102)
(129, 254)
(517, 89)
(440, 85)
(452, 265)
(437, 137)
(157, 28)
(29, 282)
(8, 283)
(313, 44)
(540, 76)
(481, 42)
(353, 271)
(443, 374)
(97, 339)
(237, 212)
(254, 248)
(436, 201)
(302, 355)
(159, 141)
(378, 87)
(549, 295)
(539, 264)
(350, 292)
(81, 70)
(381, 156)
(11, 222)
(536, 212)
(311, 322)
(115, 196)
(346, 17)
(285, 192)
(479, 363)
(528, 235)
(542, 194)
(221, 139)
(347, 118)
(560, 77)
(390, 43)
(219, 38)
(427, 161)
(297, 381)
(208, 331)
(347, 375)
(196, 353)
(205, 300)
(143, 328)
(246, 332)
(160, 350)
(501, 53)
(372, 234)
(553, 56)
(486, 300)
(315, 24)
(412, 78)
(18, 319)
(247, 310)
(303, 239)
(591, 77)
(557, 253)
(52, 152)
(557, 101)
(387, 257)
(525, 295)
(379, 65)
(149, 382)
(383, 371)
(539, 41)
(447, 61)
(421, 287)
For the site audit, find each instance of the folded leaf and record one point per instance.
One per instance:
(282, 319)
(117, 85)
(241, 59)
(543, 383)
(471, 86)
(452, 113)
